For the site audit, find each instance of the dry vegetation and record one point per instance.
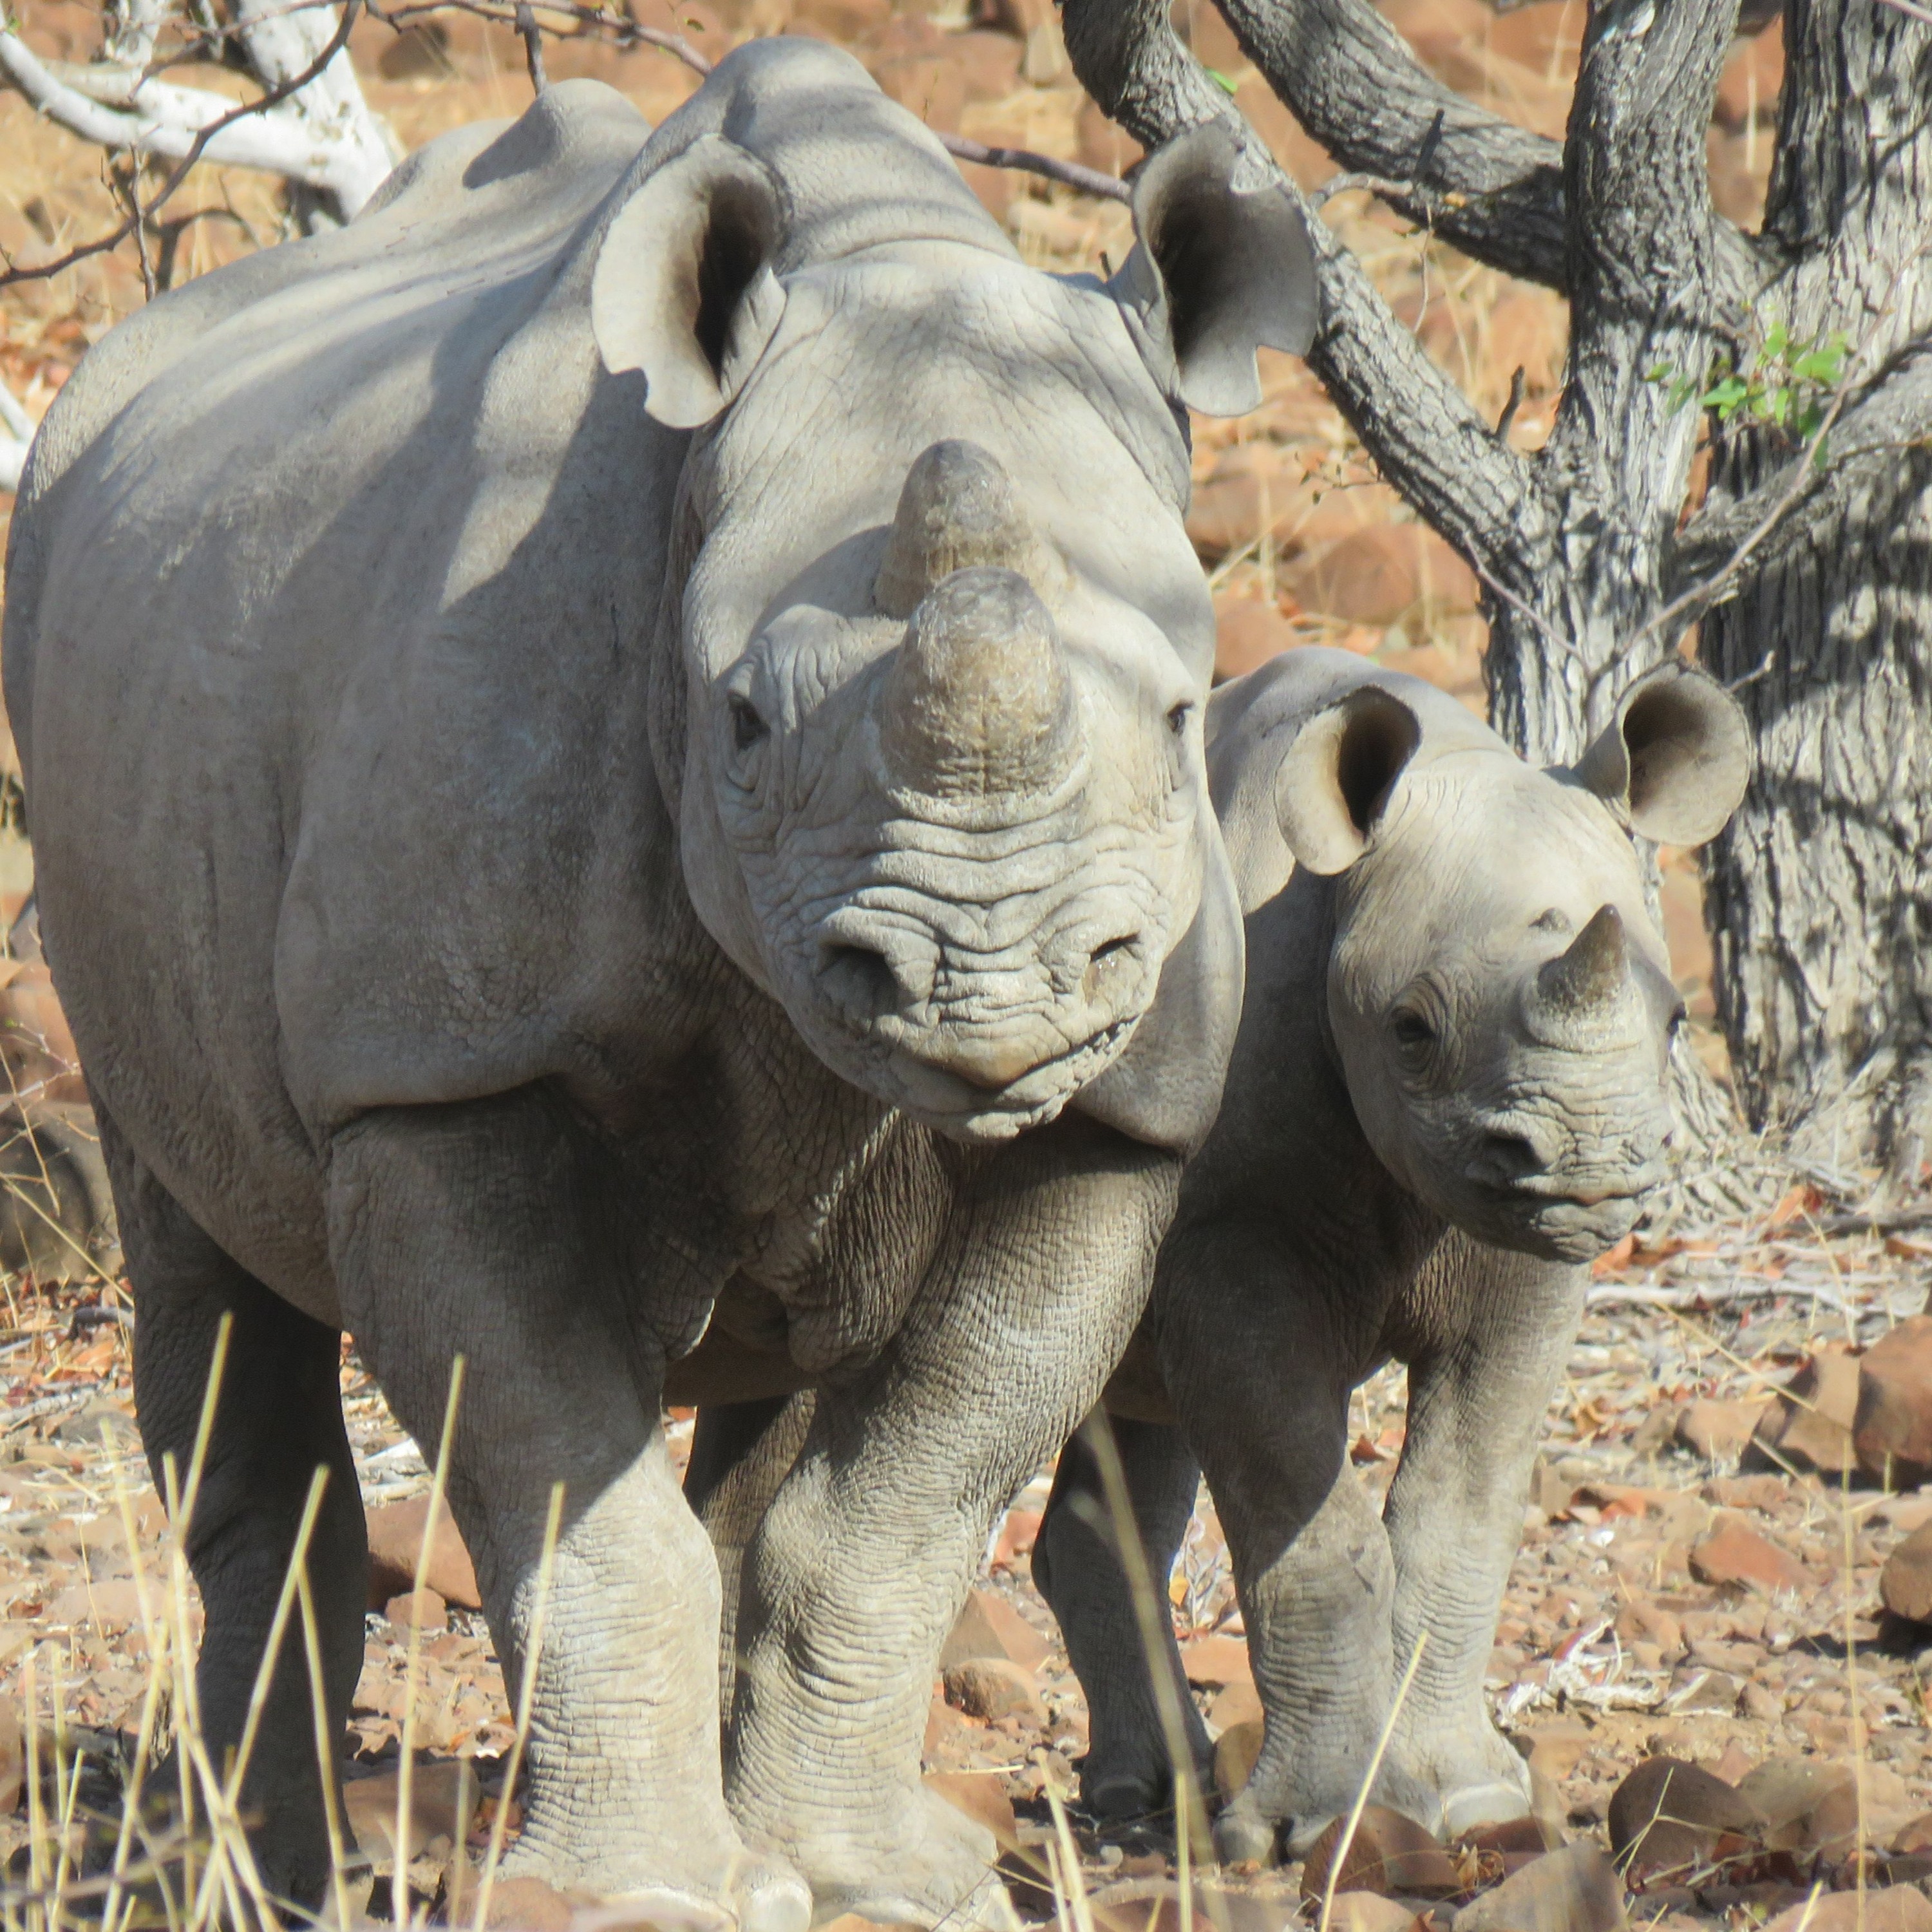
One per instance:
(1618, 1639)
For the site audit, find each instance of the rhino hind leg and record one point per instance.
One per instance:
(1129, 1769)
(1477, 1401)
(277, 1418)
(501, 1230)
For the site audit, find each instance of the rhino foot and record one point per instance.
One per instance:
(737, 1890)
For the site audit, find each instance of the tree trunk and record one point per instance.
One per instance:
(1820, 894)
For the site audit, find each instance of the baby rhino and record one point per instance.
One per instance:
(1448, 1093)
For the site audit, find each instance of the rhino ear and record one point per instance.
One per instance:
(1336, 776)
(1674, 761)
(683, 288)
(1217, 273)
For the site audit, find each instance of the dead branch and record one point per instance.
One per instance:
(16, 432)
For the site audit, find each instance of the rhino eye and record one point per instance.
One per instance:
(748, 728)
(1413, 1034)
(1176, 718)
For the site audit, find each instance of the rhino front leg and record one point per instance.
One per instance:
(499, 1230)
(865, 1556)
(1476, 1400)
(1129, 1769)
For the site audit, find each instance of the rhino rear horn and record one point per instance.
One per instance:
(1217, 273)
(684, 288)
(1336, 777)
(1674, 761)
(1591, 974)
(978, 701)
(957, 510)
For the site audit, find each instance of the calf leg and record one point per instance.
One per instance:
(740, 1452)
(500, 1230)
(1477, 1401)
(278, 1419)
(1128, 1769)
(864, 1557)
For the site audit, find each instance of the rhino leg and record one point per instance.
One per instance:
(1128, 1770)
(277, 1418)
(499, 1230)
(864, 1559)
(740, 1452)
(1476, 1403)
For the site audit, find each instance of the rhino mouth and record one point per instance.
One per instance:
(950, 1102)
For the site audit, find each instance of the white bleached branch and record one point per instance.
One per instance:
(16, 432)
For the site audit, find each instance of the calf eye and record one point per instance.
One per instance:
(1413, 1034)
(1176, 718)
(747, 726)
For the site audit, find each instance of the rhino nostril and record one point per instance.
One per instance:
(1106, 963)
(858, 979)
(1510, 1157)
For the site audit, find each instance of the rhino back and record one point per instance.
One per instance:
(331, 677)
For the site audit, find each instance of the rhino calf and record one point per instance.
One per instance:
(1448, 1093)
(652, 800)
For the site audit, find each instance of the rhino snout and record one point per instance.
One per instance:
(1524, 1154)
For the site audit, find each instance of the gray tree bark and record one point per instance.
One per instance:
(1587, 579)
(1821, 893)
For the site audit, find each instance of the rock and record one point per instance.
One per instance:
(1374, 575)
(1668, 1817)
(1369, 1912)
(1390, 1854)
(1720, 1432)
(1761, 1701)
(1235, 1704)
(990, 1627)
(1898, 1908)
(1521, 1839)
(983, 1798)
(1734, 1553)
(111, 1603)
(12, 1758)
(523, 1904)
(993, 1687)
(1914, 1836)
(369, 1803)
(1574, 1890)
(423, 1607)
(1905, 1583)
(1807, 1805)
(1736, 1764)
(1555, 1750)
(395, 1543)
(1248, 632)
(1642, 1621)
(1235, 1751)
(1891, 1426)
(1811, 1424)
(1217, 1660)
(1696, 1686)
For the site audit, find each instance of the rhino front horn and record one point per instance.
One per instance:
(1590, 976)
(978, 701)
(957, 510)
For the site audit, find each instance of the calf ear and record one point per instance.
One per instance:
(1217, 273)
(683, 288)
(1674, 761)
(1336, 776)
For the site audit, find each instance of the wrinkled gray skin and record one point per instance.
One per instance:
(648, 794)
(1447, 1093)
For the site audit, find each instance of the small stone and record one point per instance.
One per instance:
(395, 1546)
(982, 1797)
(1369, 1912)
(1736, 1764)
(1898, 1908)
(1668, 1817)
(1575, 1890)
(422, 1607)
(1734, 1553)
(1217, 1660)
(1642, 1621)
(1811, 1424)
(1905, 1583)
(1807, 1806)
(1697, 1688)
(1892, 1426)
(1914, 1836)
(993, 1687)
(1720, 1432)
(1235, 1751)
(989, 1627)
(1556, 1750)
(1390, 1853)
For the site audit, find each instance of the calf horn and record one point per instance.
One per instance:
(956, 512)
(977, 701)
(1591, 974)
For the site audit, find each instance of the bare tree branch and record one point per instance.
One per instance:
(1492, 188)
(16, 432)
(1426, 435)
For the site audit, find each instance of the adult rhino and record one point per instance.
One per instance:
(653, 685)
(1448, 1092)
